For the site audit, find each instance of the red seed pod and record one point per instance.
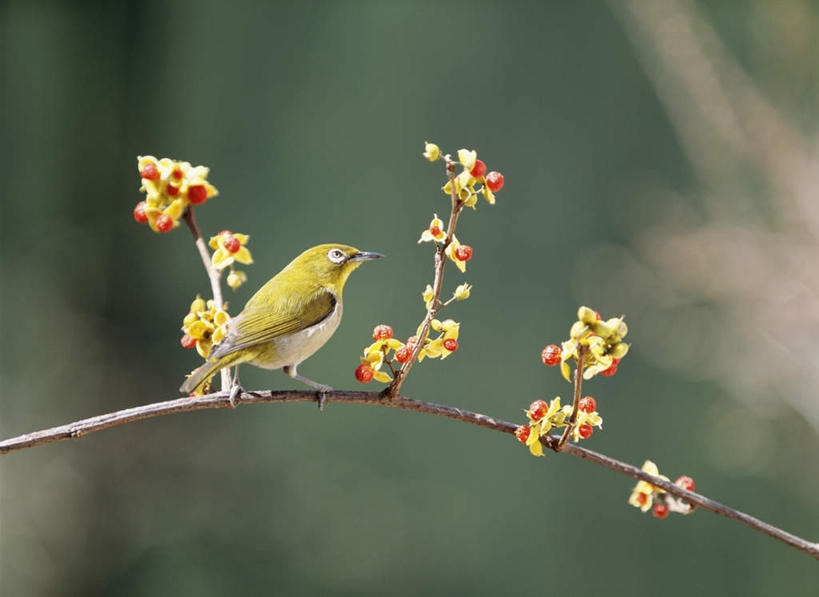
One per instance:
(382, 332)
(364, 373)
(232, 244)
(403, 354)
(149, 171)
(550, 355)
(139, 212)
(478, 170)
(164, 223)
(585, 431)
(538, 409)
(172, 190)
(197, 193)
(660, 511)
(177, 173)
(434, 231)
(685, 482)
(494, 181)
(463, 253)
(611, 370)
(451, 344)
(587, 404)
(522, 433)
(188, 341)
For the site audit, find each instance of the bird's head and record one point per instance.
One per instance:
(330, 265)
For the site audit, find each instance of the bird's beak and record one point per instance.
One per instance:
(365, 256)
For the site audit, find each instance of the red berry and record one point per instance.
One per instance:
(434, 231)
(550, 355)
(177, 172)
(149, 171)
(172, 190)
(232, 244)
(660, 511)
(463, 253)
(642, 498)
(197, 193)
(494, 181)
(611, 370)
(585, 431)
(588, 404)
(478, 170)
(685, 482)
(382, 332)
(538, 409)
(188, 341)
(403, 354)
(164, 223)
(451, 344)
(522, 433)
(364, 373)
(139, 212)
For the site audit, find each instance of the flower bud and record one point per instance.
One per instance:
(601, 329)
(586, 315)
(618, 327)
(467, 158)
(619, 350)
(431, 152)
(462, 292)
(578, 329)
(198, 305)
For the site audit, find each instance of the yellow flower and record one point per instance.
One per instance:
(443, 345)
(170, 186)
(435, 232)
(427, 296)
(375, 355)
(206, 324)
(236, 278)
(450, 252)
(642, 496)
(584, 418)
(229, 247)
(462, 292)
(467, 158)
(431, 151)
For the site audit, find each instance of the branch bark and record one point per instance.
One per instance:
(83, 427)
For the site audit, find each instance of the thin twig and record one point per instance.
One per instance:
(578, 383)
(213, 275)
(222, 400)
(440, 265)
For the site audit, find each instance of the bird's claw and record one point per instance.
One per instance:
(235, 391)
(322, 393)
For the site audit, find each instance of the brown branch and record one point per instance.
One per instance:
(222, 400)
(440, 264)
(578, 383)
(213, 275)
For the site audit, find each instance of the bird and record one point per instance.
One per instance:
(288, 319)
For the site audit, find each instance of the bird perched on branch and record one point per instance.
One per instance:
(288, 319)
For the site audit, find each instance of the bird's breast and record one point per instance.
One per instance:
(292, 349)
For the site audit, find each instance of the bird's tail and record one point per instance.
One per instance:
(202, 374)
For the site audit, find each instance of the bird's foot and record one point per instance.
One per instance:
(236, 390)
(322, 392)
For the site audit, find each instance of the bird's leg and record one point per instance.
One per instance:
(235, 388)
(321, 389)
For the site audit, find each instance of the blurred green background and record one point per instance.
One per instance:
(660, 161)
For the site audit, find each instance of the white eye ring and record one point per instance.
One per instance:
(336, 255)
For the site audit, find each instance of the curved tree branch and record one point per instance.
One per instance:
(222, 400)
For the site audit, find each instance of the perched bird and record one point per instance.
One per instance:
(288, 319)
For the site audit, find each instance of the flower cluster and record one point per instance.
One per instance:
(204, 326)
(170, 186)
(455, 251)
(601, 343)
(229, 248)
(379, 352)
(543, 417)
(649, 497)
(474, 172)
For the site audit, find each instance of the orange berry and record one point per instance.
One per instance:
(435, 231)
(149, 171)
(660, 511)
(550, 355)
(478, 170)
(642, 498)
(164, 223)
(382, 332)
(685, 482)
(463, 253)
(364, 373)
(451, 344)
(587, 404)
(188, 341)
(585, 431)
(197, 193)
(139, 212)
(494, 181)
(232, 244)
(522, 433)
(403, 354)
(538, 409)
(177, 172)
(172, 190)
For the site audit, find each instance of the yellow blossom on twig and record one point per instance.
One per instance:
(205, 324)
(229, 247)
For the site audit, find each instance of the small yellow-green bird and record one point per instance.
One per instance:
(289, 318)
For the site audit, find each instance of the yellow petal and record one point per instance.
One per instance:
(221, 258)
(213, 243)
(426, 236)
(382, 376)
(175, 209)
(242, 238)
(203, 348)
(488, 195)
(467, 158)
(243, 256)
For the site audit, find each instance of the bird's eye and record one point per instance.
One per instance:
(336, 255)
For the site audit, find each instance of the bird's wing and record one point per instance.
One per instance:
(258, 324)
